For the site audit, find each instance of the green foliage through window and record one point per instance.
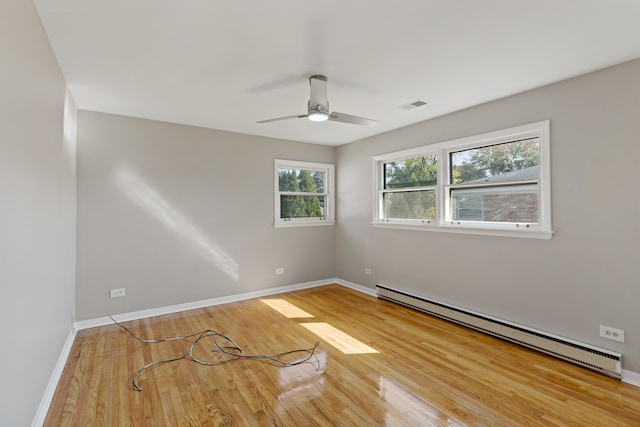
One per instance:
(497, 183)
(298, 205)
(416, 172)
(418, 175)
(483, 163)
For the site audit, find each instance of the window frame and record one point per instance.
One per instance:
(329, 193)
(442, 150)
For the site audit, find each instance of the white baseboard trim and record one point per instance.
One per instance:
(143, 314)
(630, 377)
(49, 392)
(356, 287)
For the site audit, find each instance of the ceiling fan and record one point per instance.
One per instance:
(318, 107)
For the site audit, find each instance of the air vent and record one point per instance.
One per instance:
(412, 105)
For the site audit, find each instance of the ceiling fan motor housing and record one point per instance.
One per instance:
(318, 102)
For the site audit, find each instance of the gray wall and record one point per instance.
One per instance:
(37, 213)
(587, 275)
(177, 214)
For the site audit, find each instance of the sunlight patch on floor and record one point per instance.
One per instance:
(286, 308)
(340, 340)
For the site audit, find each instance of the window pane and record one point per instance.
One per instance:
(512, 161)
(302, 206)
(513, 203)
(416, 172)
(306, 181)
(410, 205)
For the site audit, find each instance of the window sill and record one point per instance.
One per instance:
(289, 224)
(459, 229)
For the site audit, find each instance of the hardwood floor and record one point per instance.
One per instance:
(422, 371)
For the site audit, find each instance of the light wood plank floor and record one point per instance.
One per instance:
(426, 372)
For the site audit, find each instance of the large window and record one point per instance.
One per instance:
(304, 193)
(496, 183)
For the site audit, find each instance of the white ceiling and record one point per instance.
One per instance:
(227, 64)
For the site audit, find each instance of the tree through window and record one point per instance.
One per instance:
(303, 196)
(409, 188)
(496, 183)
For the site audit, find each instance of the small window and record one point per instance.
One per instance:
(304, 193)
(496, 183)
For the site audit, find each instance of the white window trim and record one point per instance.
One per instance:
(330, 218)
(542, 230)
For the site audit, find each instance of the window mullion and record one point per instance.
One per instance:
(442, 201)
(489, 185)
(406, 189)
(300, 193)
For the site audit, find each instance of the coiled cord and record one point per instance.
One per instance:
(228, 349)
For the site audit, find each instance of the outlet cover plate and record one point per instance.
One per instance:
(612, 333)
(116, 293)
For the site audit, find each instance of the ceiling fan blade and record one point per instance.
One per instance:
(348, 118)
(299, 116)
(282, 83)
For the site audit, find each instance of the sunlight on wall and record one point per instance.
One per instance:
(340, 340)
(151, 202)
(286, 308)
(70, 127)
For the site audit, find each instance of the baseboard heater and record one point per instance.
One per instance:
(598, 359)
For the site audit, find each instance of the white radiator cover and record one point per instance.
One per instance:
(598, 359)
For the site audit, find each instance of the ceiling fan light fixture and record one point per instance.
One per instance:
(318, 107)
(318, 116)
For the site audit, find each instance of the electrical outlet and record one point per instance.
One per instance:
(612, 333)
(116, 293)
(280, 270)
(367, 271)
